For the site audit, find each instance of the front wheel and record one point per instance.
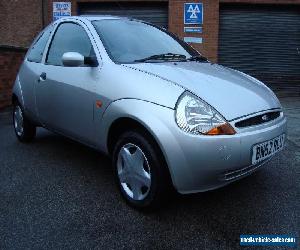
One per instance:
(141, 173)
(24, 129)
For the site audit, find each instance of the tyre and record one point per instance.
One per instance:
(140, 170)
(24, 129)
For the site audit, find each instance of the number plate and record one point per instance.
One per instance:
(266, 149)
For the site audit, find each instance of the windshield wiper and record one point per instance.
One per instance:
(198, 58)
(164, 57)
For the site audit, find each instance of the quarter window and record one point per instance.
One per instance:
(38, 47)
(69, 37)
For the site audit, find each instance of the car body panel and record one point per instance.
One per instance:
(66, 104)
(27, 77)
(129, 83)
(217, 85)
(152, 117)
(196, 163)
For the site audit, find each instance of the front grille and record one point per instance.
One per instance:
(259, 119)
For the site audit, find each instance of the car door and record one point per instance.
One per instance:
(30, 70)
(65, 95)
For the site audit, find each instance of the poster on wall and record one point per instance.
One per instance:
(193, 13)
(61, 9)
(193, 39)
(193, 29)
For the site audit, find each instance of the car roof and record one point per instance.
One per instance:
(97, 17)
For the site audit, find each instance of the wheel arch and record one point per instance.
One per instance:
(17, 93)
(149, 118)
(124, 124)
(14, 98)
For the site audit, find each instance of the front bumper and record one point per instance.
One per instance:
(201, 163)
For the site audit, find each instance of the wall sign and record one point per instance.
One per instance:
(193, 13)
(61, 9)
(193, 39)
(193, 29)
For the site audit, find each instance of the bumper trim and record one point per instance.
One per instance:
(236, 174)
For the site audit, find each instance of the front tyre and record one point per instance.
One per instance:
(140, 171)
(24, 129)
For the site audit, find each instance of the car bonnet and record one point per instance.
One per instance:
(231, 92)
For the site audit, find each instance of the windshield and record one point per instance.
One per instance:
(129, 41)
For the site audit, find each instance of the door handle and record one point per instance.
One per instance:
(42, 77)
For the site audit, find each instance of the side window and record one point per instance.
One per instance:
(69, 37)
(36, 51)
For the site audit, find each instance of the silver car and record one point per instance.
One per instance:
(167, 116)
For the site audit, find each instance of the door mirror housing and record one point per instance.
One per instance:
(75, 59)
(72, 59)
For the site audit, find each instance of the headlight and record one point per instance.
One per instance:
(197, 117)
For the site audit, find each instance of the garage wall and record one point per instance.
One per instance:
(264, 41)
(19, 23)
(10, 61)
(154, 12)
(209, 47)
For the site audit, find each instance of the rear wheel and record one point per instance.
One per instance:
(24, 129)
(140, 171)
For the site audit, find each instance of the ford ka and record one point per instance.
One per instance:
(168, 117)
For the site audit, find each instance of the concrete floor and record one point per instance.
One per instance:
(292, 111)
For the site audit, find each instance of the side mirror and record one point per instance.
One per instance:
(72, 59)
